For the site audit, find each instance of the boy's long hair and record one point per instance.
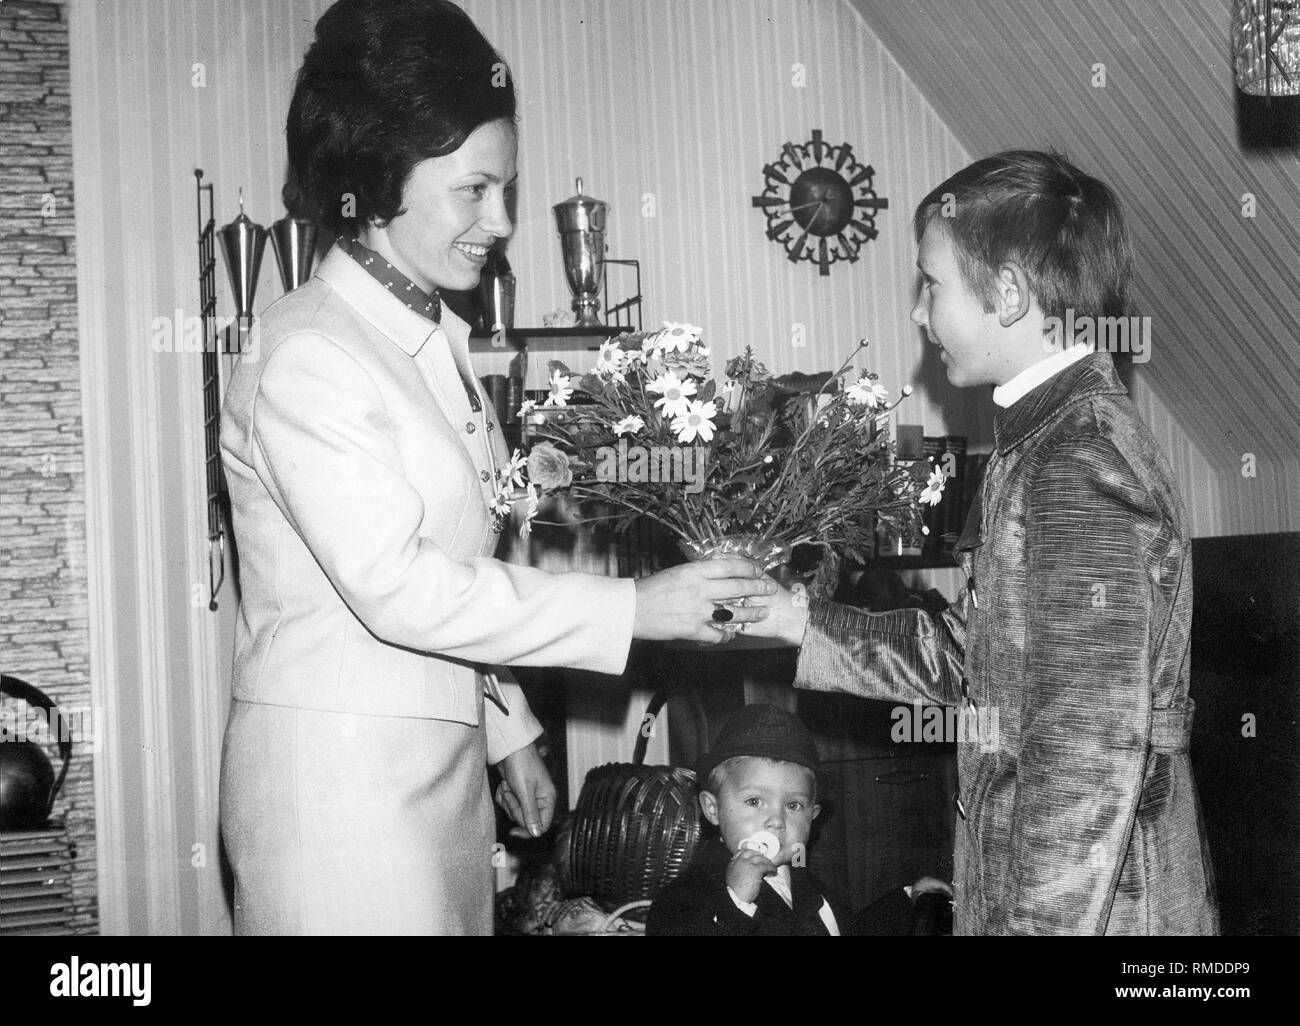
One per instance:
(1063, 228)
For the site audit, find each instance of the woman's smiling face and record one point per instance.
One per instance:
(455, 207)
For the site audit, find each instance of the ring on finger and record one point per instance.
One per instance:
(721, 614)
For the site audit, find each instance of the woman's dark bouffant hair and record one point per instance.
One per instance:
(385, 85)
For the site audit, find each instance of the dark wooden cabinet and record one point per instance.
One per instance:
(888, 813)
(887, 823)
(1246, 730)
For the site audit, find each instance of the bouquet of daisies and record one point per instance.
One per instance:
(742, 467)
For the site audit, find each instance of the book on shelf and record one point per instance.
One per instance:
(946, 519)
(934, 449)
(954, 509)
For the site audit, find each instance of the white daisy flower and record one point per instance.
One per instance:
(561, 390)
(866, 392)
(513, 473)
(629, 425)
(673, 393)
(526, 408)
(933, 491)
(678, 337)
(610, 361)
(859, 393)
(697, 421)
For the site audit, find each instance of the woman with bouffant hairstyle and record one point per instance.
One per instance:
(385, 86)
(370, 692)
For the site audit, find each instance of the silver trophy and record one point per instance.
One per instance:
(581, 221)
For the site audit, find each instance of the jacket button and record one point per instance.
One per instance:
(485, 475)
(469, 427)
(970, 587)
(490, 425)
(961, 809)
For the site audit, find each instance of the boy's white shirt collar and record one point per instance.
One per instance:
(1031, 377)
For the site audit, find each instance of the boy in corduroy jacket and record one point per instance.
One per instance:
(1082, 816)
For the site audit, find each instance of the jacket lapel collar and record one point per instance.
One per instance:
(772, 904)
(1093, 375)
(442, 348)
(388, 315)
(808, 900)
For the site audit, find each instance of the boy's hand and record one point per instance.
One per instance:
(928, 885)
(787, 615)
(746, 872)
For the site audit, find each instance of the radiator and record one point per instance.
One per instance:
(36, 882)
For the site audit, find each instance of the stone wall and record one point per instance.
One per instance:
(43, 633)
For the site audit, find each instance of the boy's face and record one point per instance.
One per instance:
(953, 317)
(763, 794)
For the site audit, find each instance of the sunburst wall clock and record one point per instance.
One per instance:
(820, 203)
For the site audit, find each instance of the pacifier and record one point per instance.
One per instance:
(764, 842)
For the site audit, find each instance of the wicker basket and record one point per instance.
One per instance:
(635, 828)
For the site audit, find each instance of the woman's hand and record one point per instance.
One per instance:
(787, 615)
(678, 604)
(527, 792)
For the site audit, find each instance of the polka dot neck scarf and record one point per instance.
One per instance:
(409, 293)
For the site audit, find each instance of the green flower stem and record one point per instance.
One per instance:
(792, 461)
(631, 506)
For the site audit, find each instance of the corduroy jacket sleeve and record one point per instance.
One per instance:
(899, 656)
(1085, 712)
(323, 447)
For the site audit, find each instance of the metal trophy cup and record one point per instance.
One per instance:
(242, 243)
(581, 221)
(294, 242)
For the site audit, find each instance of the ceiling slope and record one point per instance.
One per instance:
(1222, 289)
